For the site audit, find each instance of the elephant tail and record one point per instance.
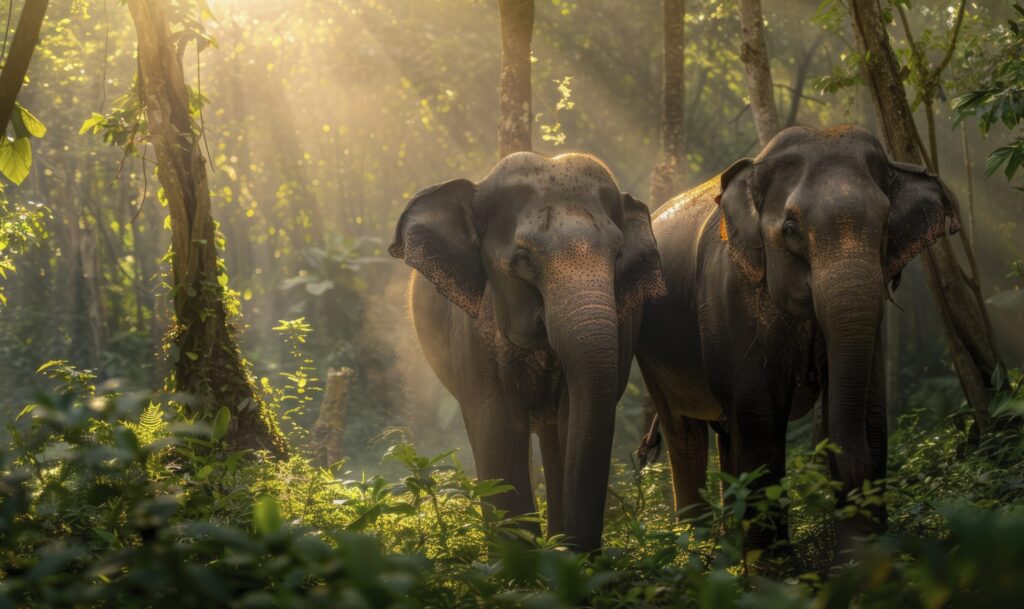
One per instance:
(650, 445)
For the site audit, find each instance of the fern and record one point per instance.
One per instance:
(151, 425)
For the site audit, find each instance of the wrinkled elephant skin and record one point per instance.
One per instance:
(776, 273)
(526, 300)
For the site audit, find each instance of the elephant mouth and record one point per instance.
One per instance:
(530, 334)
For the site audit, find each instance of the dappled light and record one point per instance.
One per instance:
(371, 303)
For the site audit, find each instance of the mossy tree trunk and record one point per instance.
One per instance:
(327, 435)
(206, 362)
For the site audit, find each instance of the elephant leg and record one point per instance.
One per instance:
(688, 456)
(726, 461)
(501, 445)
(758, 438)
(551, 454)
(687, 441)
(724, 443)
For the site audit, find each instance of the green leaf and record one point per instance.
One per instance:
(27, 409)
(94, 123)
(28, 123)
(15, 158)
(366, 518)
(998, 157)
(221, 422)
(267, 515)
(50, 364)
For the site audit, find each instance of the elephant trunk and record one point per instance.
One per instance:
(583, 331)
(848, 306)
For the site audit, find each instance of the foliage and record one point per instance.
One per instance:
(327, 116)
(999, 98)
(20, 226)
(107, 500)
(295, 394)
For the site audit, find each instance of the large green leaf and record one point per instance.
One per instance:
(15, 158)
(26, 124)
(221, 422)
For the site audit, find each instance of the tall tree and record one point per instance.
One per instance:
(515, 106)
(754, 54)
(669, 175)
(667, 178)
(957, 293)
(26, 36)
(206, 361)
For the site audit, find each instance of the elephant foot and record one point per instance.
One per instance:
(777, 561)
(852, 534)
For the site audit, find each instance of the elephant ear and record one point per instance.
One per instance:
(741, 220)
(919, 205)
(436, 236)
(639, 276)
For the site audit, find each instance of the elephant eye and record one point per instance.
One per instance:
(523, 266)
(791, 235)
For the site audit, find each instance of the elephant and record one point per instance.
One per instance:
(539, 274)
(777, 272)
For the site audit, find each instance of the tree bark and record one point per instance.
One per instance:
(206, 362)
(958, 297)
(515, 108)
(754, 54)
(24, 43)
(668, 175)
(328, 431)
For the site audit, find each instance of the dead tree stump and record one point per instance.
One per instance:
(328, 431)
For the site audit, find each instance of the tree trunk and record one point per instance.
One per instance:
(206, 362)
(960, 305)
(800, 80)
(329, 429)
(754, 54)
(515, 109)
(92, 282)
(667, 177)
(24, 43)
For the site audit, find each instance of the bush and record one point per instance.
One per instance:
(109, 501)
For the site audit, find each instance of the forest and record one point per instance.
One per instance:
(512, 303)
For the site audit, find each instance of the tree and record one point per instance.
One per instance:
(667, 178)
(754, 54)
(515, 108)
(957, 294)
(26, 36)
(206, 361)
(17, 223)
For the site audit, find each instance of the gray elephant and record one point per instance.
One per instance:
(539, 273)
(777, 272)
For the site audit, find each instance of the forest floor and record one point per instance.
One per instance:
(114, 500)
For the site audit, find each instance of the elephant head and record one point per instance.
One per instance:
(823, 221)
(565, 257)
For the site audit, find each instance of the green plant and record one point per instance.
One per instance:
(1000, 95)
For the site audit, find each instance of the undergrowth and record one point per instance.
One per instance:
(112, 499)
